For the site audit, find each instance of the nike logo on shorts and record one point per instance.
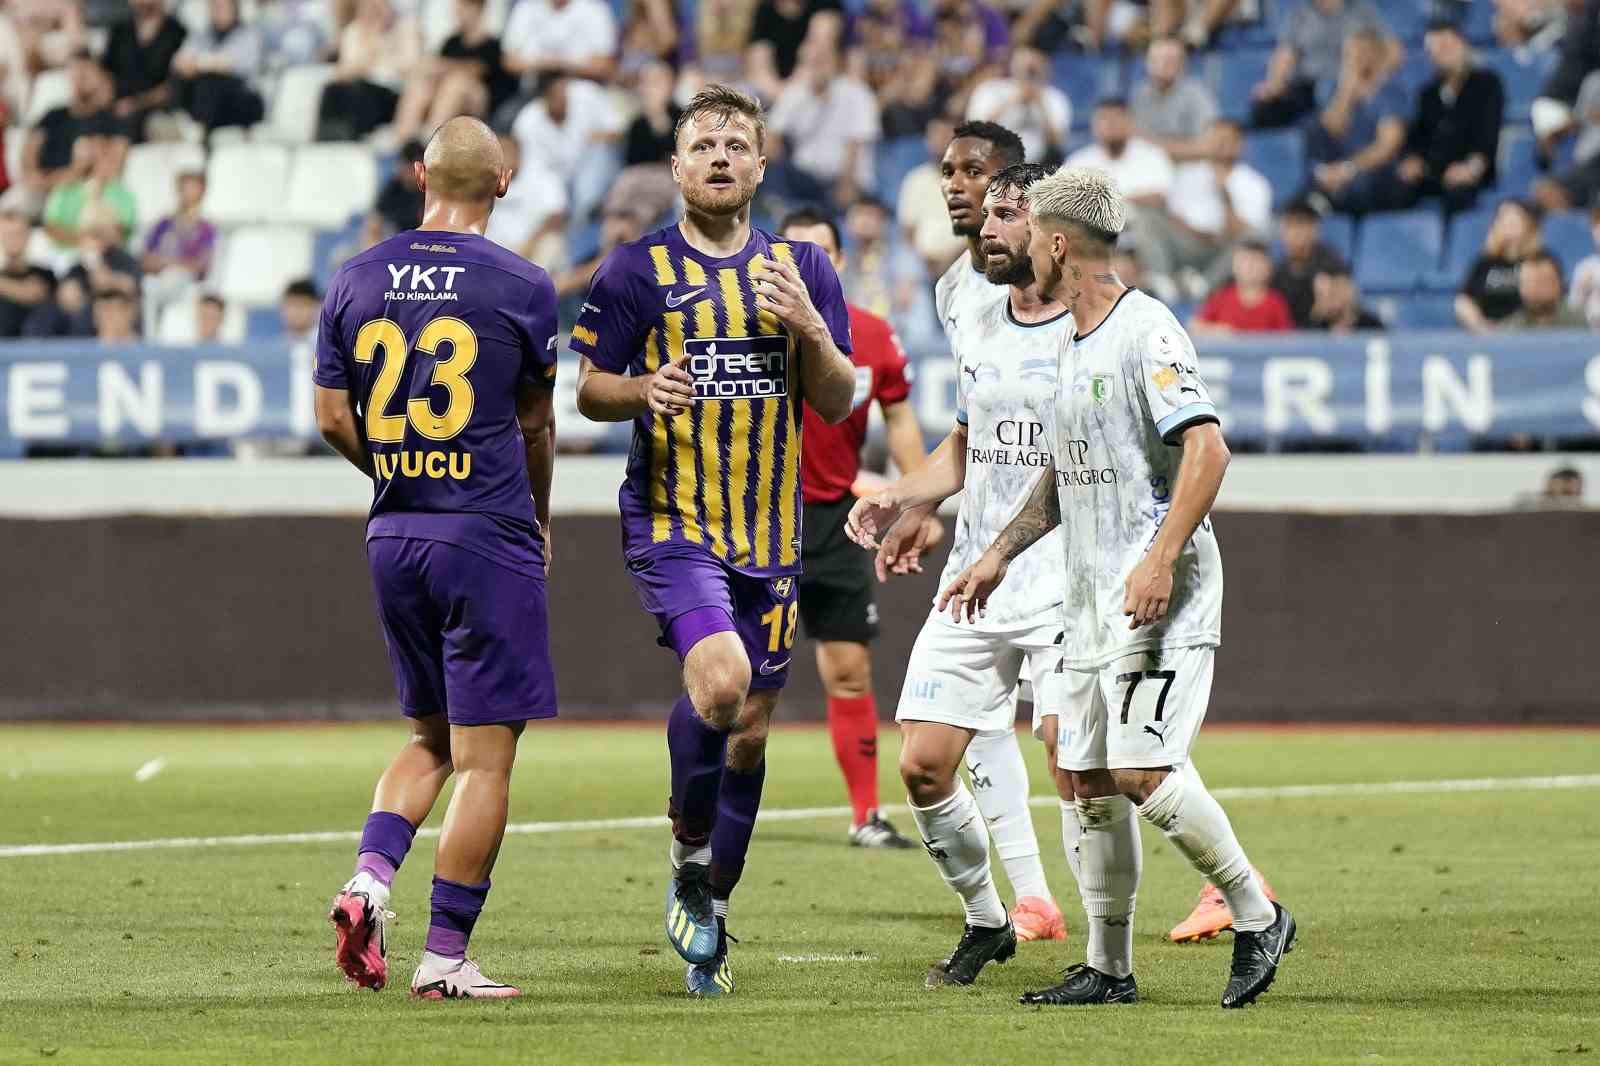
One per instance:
(674, 300)
(770, 668)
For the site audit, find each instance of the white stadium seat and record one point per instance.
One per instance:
(51, 90)
(330, 182)
(256, 262)
(151, 174)
(245, 183)
(293, 112)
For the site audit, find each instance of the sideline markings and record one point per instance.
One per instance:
(800, 814)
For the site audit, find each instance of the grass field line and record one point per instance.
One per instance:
(799, 814)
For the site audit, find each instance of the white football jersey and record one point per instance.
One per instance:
(1129, 389)
(958, 289)
(1005, 392)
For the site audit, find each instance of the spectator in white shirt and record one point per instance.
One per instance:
(1169, 109)
(1212, 204)
(527, 218)
(569, 134)
(1026, 102)
(823, 130)
(1142, 170)
(576, 37)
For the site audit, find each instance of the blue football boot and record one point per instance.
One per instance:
(691, 925)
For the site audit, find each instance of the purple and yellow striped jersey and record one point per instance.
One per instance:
(724, 475)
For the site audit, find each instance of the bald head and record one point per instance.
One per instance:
(463, 162)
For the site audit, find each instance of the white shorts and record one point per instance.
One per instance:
(968, 678)
(1140, 711)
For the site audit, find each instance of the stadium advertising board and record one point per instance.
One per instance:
(1377, 391)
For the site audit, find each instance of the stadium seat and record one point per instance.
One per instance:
(1086, 80)
(1462, 245)
(256, 262)
(1478, 22)
(1418, 310)
(1521, 75)
(328, 183)
(895, 158)
(1398, 251)
(1517, 165)
(1280, 155)
(263, 323)
(293, 112)
(246, 183)
(1407, 18)
(51, 90)
(151, 174)
(1232, 76)
(178, 323)
(1567, 237)
(1339, 233)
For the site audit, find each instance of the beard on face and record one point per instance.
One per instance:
(1015, 269)
(720, 199)
(965, 230)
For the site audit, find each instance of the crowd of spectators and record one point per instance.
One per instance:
(585, 94)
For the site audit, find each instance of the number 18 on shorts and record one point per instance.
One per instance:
(1139, 711)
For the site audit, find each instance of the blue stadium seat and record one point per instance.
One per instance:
(1398, 251)
(1478, 22)
(1232, 75)
(1416, 70)
(1421, 310)
(1280, 155)
(1522, 77)
(895, 159)
(1407, 18)
(1518, 163)
(1566, 236)
(1086, 80)
(262, 323)
(1462, 245)
(1339, 233)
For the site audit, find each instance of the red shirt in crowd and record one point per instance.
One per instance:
(831, 456)
(1225, 307)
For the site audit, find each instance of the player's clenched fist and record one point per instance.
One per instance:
(670, 390)
(969, 593)
(781, 292)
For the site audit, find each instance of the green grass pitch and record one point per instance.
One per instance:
(1438, 926)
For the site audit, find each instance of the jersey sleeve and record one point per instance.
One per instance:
(536, 331)
(1169, 374)
(827, 295)
(608, 332)
(893, 378)
(332, 369)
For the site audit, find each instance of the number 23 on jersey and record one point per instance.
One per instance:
(383, 339)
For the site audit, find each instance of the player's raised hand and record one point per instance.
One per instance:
(781, 292)
(969, 593)
(900, 552)
(670, 390)
(871, 518)
(1147, 592)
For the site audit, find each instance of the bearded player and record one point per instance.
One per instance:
(960, 680)
(708, 335)
(1137, 458)
(435, 361)
(994, 761)
(836, 606)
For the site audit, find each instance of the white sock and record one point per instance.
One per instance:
(719, 907)
(955, 836)
(1000, 783)
(439, 962)
(1108, 879)
(1071, 834)
(682, 853)
(1195, 823)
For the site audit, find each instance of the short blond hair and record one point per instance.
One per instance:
(1085, 197)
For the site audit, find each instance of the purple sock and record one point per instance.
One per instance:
(385, 839)
(697, 753)
(737, 804)
(455, 911)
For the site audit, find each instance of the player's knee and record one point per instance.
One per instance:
(719, 691)
(927, 782)
(846, 670)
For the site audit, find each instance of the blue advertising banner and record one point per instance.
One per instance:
(1378, 391)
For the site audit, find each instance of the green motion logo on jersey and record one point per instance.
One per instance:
(1100, 388)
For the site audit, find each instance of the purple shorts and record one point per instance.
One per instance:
(693, 595)
(466, 636)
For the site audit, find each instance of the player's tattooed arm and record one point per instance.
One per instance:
(1039, 515)
(336, 418)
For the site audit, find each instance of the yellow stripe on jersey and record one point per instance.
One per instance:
(665, 275)
(788, 552)
(683, 442)
(586, 335)
(705, 327)
(693, 272)
(660, 520)
(764, 445)
(739, 433)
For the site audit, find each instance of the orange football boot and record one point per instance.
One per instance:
(1211, 915)
(1037, 918)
